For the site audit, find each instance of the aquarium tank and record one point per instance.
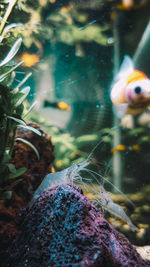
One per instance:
(75, 109)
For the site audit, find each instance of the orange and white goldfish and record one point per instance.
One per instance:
(130, 93)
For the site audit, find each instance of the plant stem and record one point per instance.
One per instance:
(5, 140)
(12, 141)
(117, 159)
(4, 168)
(8, 11)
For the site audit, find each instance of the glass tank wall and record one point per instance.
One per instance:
(74, 50)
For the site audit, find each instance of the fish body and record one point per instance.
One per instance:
(28, 59)
(122, 148)
(130, 93)
(59, 105)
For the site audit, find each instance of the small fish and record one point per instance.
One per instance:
(130, 5)
(118, 148)
(29, 60)
(130, 93)
(135, 147)
(60, 105)
(122, 148)
(126, 5)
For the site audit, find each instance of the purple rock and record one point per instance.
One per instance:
(63, 228)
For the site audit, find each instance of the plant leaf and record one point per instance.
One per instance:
(17, 120)
(10, 26)
(24, 80)
(3, 76)
(25, 92)
(12, 52)
(30, 108)
(30, 129)
(30, 145)
(136, 131)
(16, 96)
(12, 77)
(18, 173)
(5, 195)
(144, 139)
(15, 183)
(11, 167)
(6, 157)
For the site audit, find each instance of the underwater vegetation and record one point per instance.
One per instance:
(133, 147)
(23, 156)
(72, 44)
(11, 116)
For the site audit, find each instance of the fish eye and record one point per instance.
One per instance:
(138, 90)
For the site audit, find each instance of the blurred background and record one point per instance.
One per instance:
(70, 47)
(74, 49)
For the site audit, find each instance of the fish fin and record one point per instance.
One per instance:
(126, 68)
(120, 110)
(118, 92)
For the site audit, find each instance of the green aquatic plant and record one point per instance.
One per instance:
(11, 117)
(66, 24)
(70, 149)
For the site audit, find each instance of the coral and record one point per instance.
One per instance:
(63, 228)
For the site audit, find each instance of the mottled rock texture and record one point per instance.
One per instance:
(64, 229)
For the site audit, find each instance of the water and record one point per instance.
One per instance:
(77, 66)
(78, 47)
